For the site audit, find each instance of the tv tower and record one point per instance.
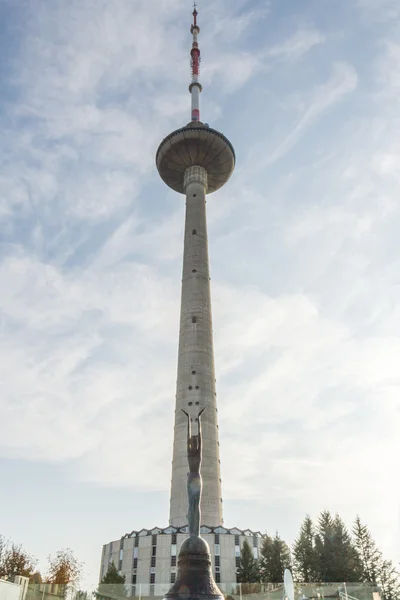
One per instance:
(196, 160)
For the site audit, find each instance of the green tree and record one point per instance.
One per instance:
(112, 585)
(389, 581)
(274, 559)
(248, 570)
(305, 557)
(324, 547)
(369, 555)
(338, 558)
(347, 563)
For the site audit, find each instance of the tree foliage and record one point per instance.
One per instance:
(64, 568)
(274, 559)
(388, 580)
(305, 557)
(369, 555)
(337, 557)
(14, 560)
(248, 571)
(112, 585)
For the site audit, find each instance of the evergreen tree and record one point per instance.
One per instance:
(389, 581)
(248, 570)
(305, 558)
(274, 559)
(338, 558)
(324, 547)
(369, 555)
(347, 563)
(112, 585)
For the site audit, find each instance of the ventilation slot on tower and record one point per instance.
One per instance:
(194, 319)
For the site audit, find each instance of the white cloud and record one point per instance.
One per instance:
(342, 82)
(303, 247)
(296, 46)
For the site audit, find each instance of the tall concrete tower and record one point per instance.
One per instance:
(196, 161)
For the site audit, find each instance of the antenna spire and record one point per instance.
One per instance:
(195, 87)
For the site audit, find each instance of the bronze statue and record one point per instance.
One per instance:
(194, 578)
(194, 481)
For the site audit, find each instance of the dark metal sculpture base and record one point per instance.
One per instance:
(195, 579)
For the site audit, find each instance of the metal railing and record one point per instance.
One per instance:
(231, 591)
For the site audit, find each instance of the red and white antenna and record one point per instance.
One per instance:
(195, 87)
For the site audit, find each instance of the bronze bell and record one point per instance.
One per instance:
(194, 579)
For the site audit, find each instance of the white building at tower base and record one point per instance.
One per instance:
(149, 558)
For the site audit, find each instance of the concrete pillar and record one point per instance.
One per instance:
(196, 377)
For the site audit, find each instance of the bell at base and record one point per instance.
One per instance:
(194, 580)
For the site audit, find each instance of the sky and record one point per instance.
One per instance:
(304, 255)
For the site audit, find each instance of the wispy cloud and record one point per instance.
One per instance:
(303, 243)
(342, 82)
(297, 45)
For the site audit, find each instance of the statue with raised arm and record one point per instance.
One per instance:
(194, 579)
(194, 482)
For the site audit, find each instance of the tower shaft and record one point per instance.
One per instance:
(196, 376)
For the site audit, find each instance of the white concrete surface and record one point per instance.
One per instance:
(9, 591)
(196, 375)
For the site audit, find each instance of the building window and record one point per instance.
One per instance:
(173, 577)
(133, 591)
(237, 551)
(237, 561)
(194, 232)
(217, 561)
(255, 545)
(194, 270)
(173, 561)
(152, 590)
(173, 539)
(237, 540)
(119, 565)
(135, 552)
(152, 578)
(154, 540)
(136, 541)
(121, 544)
(217, 549)
(255, 553)
(121, 554)
(217, 577)
(135, 563)
(190, 387)
(194, 320)
(153, 561)
(153, 550)
(197, 387)
(193, 372)
(173, 549)
(134, 579)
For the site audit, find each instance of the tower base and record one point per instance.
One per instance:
(194, 580)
